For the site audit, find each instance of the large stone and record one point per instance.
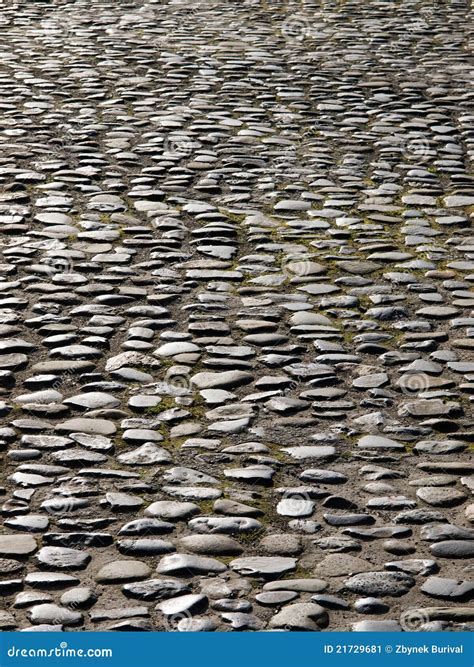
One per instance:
(342, 565)
(301, 616)
(17, 545)
(391, 584)
(264, 566)
(118, 571)
(184, 565)
(224, 380)
(63, 558)
(54, 615)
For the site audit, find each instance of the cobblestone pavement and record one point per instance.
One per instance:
(236, 315)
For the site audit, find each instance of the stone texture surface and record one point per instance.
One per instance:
(236, 315)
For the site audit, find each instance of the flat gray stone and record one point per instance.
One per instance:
(390, 584)
(188, 565)
(265, 566)
(122, 571)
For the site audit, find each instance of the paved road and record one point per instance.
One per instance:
(236, 315)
